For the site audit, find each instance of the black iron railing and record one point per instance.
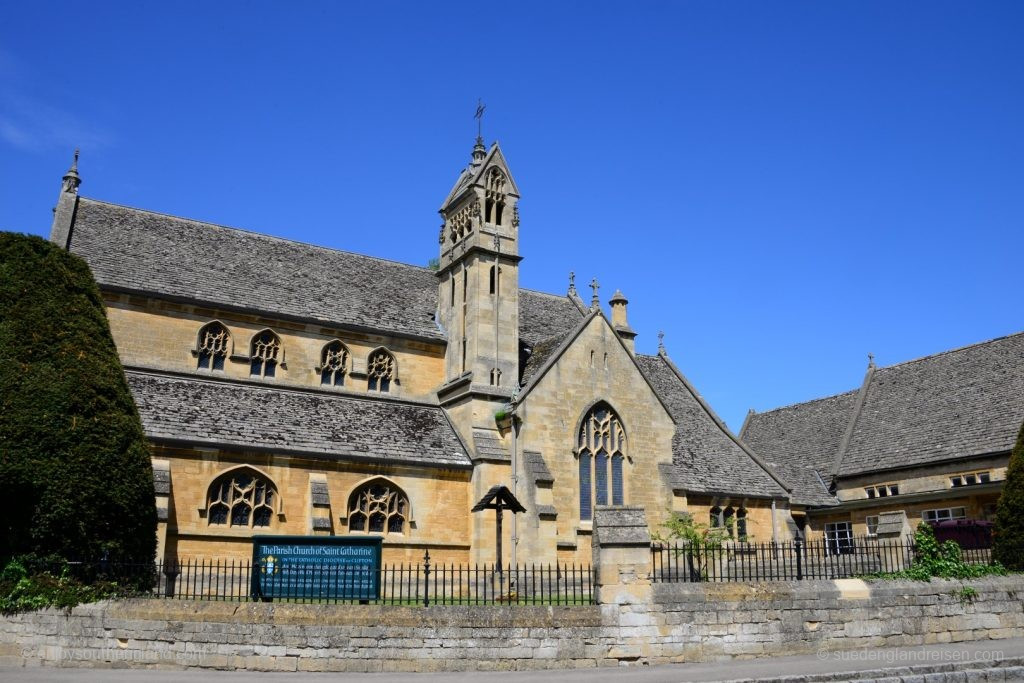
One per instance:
(423, 583)
(816, 558)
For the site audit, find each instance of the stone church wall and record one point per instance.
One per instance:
(439, 502)
(162, 335)
(595, 367)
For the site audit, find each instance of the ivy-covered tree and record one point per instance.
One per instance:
(75, 474)
(1009, 542)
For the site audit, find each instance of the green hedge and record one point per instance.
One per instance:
(75, 474)
(1009, 541)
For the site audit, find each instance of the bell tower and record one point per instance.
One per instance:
(479, 274)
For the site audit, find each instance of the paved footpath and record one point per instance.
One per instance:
(989, 660)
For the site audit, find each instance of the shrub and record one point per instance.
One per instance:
(1009, 541)
(75, 474)
(945, 560)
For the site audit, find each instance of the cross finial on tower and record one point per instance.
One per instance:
(871, 360)
(595, 302)
(661, 341)
(71, 179)
(479, 116)
(572, 284)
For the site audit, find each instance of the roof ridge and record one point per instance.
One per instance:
(257, 234)
(759, 413)
(851, 425)
(537, 291)
(953, 350)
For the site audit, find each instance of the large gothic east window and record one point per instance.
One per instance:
(378, 507)
(602, 451)
(241, 498)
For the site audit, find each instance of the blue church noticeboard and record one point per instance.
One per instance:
(316, 567)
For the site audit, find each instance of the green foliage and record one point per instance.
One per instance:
(966, 594)
(681, 526)
(1009, 541)
(945, 560)
(21, 591)
(434, 264)
(75, 475)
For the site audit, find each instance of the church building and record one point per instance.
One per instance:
(288, 388)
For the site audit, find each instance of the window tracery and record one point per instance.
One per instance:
(334, 364)
(212, 346)
(460, 223)
(378, 507)
(263, 354)
(602, 447)
(495, 196)
(241, 498)
(380, 371)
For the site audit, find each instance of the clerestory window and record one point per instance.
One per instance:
(380, 371)
(264, 354)
(212, 346)
(602, 452)
(334, 364)
(241, 498)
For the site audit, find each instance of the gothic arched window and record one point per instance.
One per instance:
(380, 370)
(243, 498)
(212, 346)
(495, 196)
(378, 507)
(602, 450)
(334, 364)
(264, 354)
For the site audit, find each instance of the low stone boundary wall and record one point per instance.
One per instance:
(640, 622)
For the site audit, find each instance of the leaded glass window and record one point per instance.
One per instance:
(334, 364)
(212, 346)
(264, 355)
(379, 507)
(602, 449)
(380, 371)
(241, 498)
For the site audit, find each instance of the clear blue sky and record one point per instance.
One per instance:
(781, 186)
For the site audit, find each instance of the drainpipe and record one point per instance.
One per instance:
(775, 530)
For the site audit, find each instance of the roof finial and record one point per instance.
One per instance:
(871, 360)
(479, 151)
(595, 302)
(572, 283)
(71, 179)
(661, 342)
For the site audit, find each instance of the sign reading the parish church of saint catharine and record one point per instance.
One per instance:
(316, 567)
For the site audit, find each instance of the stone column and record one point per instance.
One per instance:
(622, 555)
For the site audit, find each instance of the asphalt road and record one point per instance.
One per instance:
(978, 653)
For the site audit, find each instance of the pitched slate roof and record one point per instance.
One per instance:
(956, 404)
(800, 442)
(150, 252)
(202, 411)
(544, 316)
(141, 251)
(706, 458)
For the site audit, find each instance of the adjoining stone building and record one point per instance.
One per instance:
(290, 388)
(929, 439)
